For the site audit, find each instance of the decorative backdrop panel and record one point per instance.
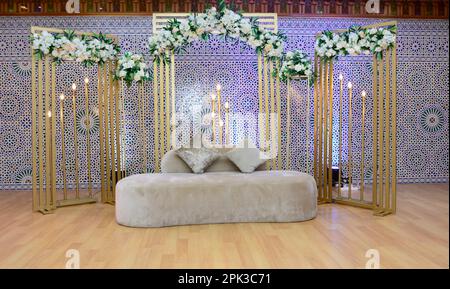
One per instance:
(423, 91)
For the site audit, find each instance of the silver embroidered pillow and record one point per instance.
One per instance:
(198, 159)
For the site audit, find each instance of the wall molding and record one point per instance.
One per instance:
(423, 9)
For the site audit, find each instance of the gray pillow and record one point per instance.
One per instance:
(198, 159)
(247, 159)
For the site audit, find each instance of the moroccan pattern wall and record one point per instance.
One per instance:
(423, 92)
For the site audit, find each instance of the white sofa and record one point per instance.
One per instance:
(221, 195)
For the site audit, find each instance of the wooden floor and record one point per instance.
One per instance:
(416, 237)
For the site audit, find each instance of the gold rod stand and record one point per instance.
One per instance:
(155, 117)
(330, 134)
(341, 90)
(48, 152)
(88, 137)
(308, 96)
(288, 126)
(53, 134)
(375, 132)
(266, 105)
(363, 135)
(63, 145)
(278, 101)
(34, 157)
(111, 132)
(325, 115)
(100, 85)
(75, 140)
(350, 140)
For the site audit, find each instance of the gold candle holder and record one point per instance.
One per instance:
(341, 90)
(88, 140)
(219, 112)
(227, 122)
(350, 160)
(62, 97)
(363, 124)
(213, 117)
(75, 140)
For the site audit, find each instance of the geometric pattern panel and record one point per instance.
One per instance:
(422, 79)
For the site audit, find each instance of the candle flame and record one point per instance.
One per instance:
(213, 97)
(49, 113)
(227, 105)
(86, 80)
(218, 87)
(62, 96)
(341, 77)
(74, 86)
(220, 122)
(349, 85)
(363, 93)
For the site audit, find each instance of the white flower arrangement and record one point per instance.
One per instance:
(66, 46)
(224, 22)
(356, 41)
(296, 64)
(132, 67)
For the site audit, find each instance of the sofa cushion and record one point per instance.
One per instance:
(198, 159)
(247, 159)
(222, 164)
(172, 163)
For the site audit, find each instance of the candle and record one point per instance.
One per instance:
(363, 125)
(219, 110)
(341, 89)
(227, 122)
(350, 160)
(213, 116)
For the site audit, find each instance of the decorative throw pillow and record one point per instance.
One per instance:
(246, 158)
(198, 159)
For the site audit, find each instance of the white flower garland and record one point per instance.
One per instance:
(67, 46)
(355, 41)
(179, 33)
(132, 67)
(296, 64)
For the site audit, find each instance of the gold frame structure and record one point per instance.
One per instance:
(47, 196)
(165, 96)
(382, 196)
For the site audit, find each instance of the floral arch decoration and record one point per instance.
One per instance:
(173, 32)
(378, 42)
(55, 110)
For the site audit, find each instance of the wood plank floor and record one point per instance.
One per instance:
(416, 237)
